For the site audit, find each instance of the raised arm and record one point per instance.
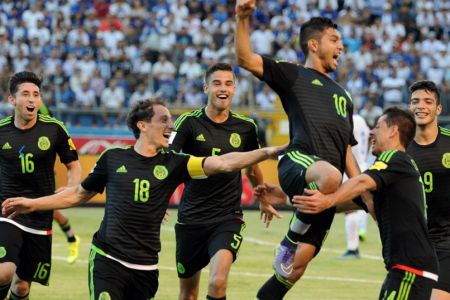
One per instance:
(72, 196)
(314, 201)
(245, 57)
(234, 161)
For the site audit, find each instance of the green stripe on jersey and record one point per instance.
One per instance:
(195, 113)
(387, 155)
(115, 147)
(444, 131)
(48, 119)
(6, 121)
(242, 117)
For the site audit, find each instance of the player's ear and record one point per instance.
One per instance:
(205, 88)
(12, 100)
(438, 110)
(313, 45)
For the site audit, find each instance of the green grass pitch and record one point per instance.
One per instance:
(326, 277)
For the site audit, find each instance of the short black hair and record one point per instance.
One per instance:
(142, 111)
(22, 77)
(428, 86)
(404, 119)
(218, 67)
(313, 29)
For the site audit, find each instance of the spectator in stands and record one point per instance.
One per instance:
(112, 101)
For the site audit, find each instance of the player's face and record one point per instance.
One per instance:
(379, 136)
(424, 106)
(160, 127)
(27, 101)
(220, 90)
(329, 49)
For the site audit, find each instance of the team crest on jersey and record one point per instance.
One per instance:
(378, 165)
(44, 143)
(2, 252)
(446, 160)
(160, 172)
(235, 140)
(104, 296)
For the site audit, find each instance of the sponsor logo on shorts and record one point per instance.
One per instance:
(104, 296)
(180, 268)
(2, 252)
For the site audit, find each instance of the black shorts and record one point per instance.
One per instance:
(109, 279)
(197, 244)
(31, 253)
(444, 270)
(291, 173)
(400, 284)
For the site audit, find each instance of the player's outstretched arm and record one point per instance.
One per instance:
(314, 201)
(245, 56)
(234, 161)
(71, 196)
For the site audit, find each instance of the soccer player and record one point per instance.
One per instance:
(210, 219)
(29, 144)
(431, 151)
(320, 112)
(356, 220)
(139, 180)
(399, 207)
(62, 220)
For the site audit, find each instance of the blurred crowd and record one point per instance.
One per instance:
(109, 54)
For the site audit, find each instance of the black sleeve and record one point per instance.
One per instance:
(359, 201)
(253, 141)
(387, 170)
(97, 178)
(279, 75)
(65, 146)
(183, 132)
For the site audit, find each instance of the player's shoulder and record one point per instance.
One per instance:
(51, 121)
(185, 117)
(6, 121)
(115, 150)
(243, 119)
(445, 132)
(392, 155)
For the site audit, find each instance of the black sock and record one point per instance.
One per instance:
(66, 229)
(208, 297)
(4, 289)
(13, 296)
(274, 289)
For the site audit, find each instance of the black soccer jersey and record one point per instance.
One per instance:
(27, 159)
(218, 197)
(318, 108)
(138, 189)
(399, 202)
(433, 161)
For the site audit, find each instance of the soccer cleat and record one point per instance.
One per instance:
(362, 235)
(283, 263)
(74, 250)
(350, 254)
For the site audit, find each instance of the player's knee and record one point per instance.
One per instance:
(20, 288)
(330, 181)
(6, 276)
(218, 283)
